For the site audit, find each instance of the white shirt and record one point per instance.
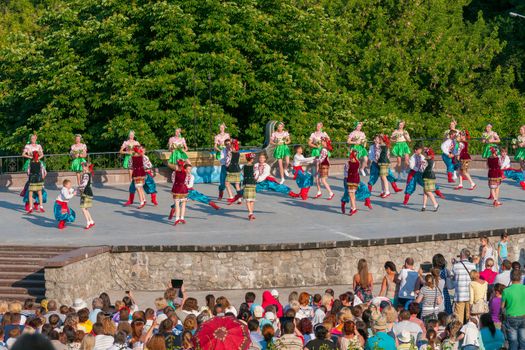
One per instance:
(471, 332)
(505, 162)
(224, 153)
(103, 342)
(374, 152)
(413, 328)
(66, 194)
(261, 171)
(503, 278)
(190, 179)
(299, 160)
(407, 283)
(417, 162)
(448, 146)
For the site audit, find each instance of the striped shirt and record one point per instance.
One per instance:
(461, 271)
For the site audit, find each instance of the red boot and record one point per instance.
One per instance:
(172, 212)
(130, 200)
(407, 198)
(154, 199)
(214, 206)
(293, 194)
(394, 186)
(272, 179)
(61, 225)
(368, 203)
(440, 194)
(522, 184)
(26, 207)
(35, 206)
(234, 199)
(221, 194)
(370, 187)
(450, 177)
(343, 207)
(304, 193)
(490, 196)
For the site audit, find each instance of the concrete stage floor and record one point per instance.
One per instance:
(279, 219)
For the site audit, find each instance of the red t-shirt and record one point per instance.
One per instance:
(488, 275)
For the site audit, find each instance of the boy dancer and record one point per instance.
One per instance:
(513, 174)
(61, 210)
(302, 177)
(448, 148)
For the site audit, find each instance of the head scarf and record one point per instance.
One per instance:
(250, 156)
(268, 299)
(353, 155)
(430, 153)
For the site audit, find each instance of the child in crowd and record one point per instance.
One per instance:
(63, 214)
(495, 304)
(86, 193)
(302, 177)
(503, 248)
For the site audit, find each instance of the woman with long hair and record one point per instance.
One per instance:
(88, 342)
(363, 282)
(493, 338)
(401, 150)
(281, 139)
(388, 285)
(429, 298)
(357, 140)
(156, 343)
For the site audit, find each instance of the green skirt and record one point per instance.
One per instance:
(429, 185)
(249, 193)
(520, 154)
(76, 165)
(218, 153)
(127, 161)
(36, 186)
(486, 151)
(400, 149)
(316, 152)
(361, 151)
(281, 151)
(176, 155)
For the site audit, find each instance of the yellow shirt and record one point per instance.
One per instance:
(478, 291)
(85, 326)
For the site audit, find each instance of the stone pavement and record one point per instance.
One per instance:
(279, 219)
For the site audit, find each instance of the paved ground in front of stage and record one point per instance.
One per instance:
(279, 219)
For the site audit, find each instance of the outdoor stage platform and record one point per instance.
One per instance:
(279, 219)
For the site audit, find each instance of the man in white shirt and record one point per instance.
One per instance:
(407, 280)
(448, 154)
(405, 325)
(504, 276)
(461, 276)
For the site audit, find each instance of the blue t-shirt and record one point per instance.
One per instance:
(492, 342)
(380, 340)
(503, 251)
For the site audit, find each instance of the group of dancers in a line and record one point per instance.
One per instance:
(243, 182)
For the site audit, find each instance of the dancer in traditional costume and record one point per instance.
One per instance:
(508, 172)
(219, 140)
(36, 174)
(491, 139)
(150, 187)
(139, 174)
(249, 185)
(401, 150)
(303, 178)
(495, 174)
(323, 169)
(464, 159)
(315, 140)
(63, 214)
(380, 166)
(233, 170)
(78, 153)
(357, 140)
(519, 145)
(355, 189)
(31, 146)
(127, 150)
(193, 194)
(281, 139)
(177, 146)
(417, 164)
(266, 182)
(179, 190)
(225, 155)
(86, 193)
(452, 127)
(429, 181)
(449, 153)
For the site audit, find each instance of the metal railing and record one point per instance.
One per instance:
(114, 160)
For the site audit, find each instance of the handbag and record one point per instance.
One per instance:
(479, 307)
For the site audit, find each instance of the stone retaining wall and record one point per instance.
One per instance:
(236, 267)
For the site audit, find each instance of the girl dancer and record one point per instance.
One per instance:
(323, 164)
(401, 150)
(193, 194)
(78, 153)
(464, 159)
(86, 193)
(233, 170)
(31, 146)
(219, 140)
(513, 174)
(354, 188)
(490, 138)
(150, 187)
(357, 141)
(449, 151)
(127, 150)
(494, 175)
(303, 178)
(429, 180)
(139, 174)
(519, 144)
(177, 146)
(250, 184)
(315, 140)
(375, 154)
(281, 139)
(417, 164)
(179, 191)
(63, 214)
(37, 173)
(452, 127)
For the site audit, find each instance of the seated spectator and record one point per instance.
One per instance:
(405, 324)
(321, 341)
(289, 340)
(351, 338)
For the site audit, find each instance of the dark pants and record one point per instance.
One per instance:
(222, 178)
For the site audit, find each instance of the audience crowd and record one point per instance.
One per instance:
(461, 305)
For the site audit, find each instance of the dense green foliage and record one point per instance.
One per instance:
(102, 67)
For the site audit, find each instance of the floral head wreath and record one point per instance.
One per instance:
(223, 124)
(29, 138)
(430, 152)
(356, 123)
(80, 136)
(399, 122)
(250, 156)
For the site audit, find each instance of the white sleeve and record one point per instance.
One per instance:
(146, 162)
(505, 164)
(297, 159)
(412, 162)
(265, 173)
(191, 182)
(371, 152)
(445, 147)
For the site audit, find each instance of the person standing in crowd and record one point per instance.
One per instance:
(363, 282)
(289, 339)
(492, 337)
(478, 295)
(512, 302)
(401, 150)
(504, 276)
(461, 275)
(491, 139)
(408, 280)
(445, 281)
(429, 298)
(127, 150)
(78, 153)
(486, 251)
(281, 139)
(502, 248)
(388, 285)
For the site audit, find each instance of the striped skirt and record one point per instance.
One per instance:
(233, 178)
(249, 193)
(324, 170)
(429, 185)
(494, 182)
(35, 187)
(86, 202)
(465, 164)
(383, 169)
(180, 197)
(139, 181)
(352, 187)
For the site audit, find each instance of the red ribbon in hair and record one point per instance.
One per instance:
(36, 156)
(180, 163)
(430, 153)
(353, 155)
(386, 140)
(91, 169)
(467, 134)
(250, 156)
(235, 145)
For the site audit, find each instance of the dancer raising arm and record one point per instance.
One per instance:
(281, 139)
(31, 146)
(357, 140)
(220, 154)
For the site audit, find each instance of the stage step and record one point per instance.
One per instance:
(22, 271)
